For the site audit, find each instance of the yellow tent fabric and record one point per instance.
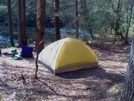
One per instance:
(68, 55)
(75, 52)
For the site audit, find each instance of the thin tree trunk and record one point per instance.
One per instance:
(88, 24)
(19, 23)
(36, 61)
(57, 21)
(118, 18)
(129, 21)
(77, 23)
(23, 22)
(128, 87)
(10, 22)
(40, 30)
(40, 24)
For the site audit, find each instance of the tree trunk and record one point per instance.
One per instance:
(57, 21)
(23, 22)
(77, 25)
(118, 18)
(10, 22)
(121, 35)
(40, 30)
(87, 19)
(19, 23)
(128, 87)
(128, 22)
(40, 24)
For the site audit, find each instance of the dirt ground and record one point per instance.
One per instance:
(17, 81)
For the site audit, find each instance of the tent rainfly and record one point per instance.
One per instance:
(68, 54)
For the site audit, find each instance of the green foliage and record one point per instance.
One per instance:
(101, 15)
(115, 90)
(3, 9)
(31, 19)
(3, 13)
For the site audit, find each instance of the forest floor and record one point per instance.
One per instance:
(17, 81)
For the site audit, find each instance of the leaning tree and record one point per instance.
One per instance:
(128, 87)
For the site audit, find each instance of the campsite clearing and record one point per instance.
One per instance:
(17, 81)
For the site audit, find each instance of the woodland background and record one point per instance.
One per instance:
(107, 23)
(78, 18)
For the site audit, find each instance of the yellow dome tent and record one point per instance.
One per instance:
(68, 55)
